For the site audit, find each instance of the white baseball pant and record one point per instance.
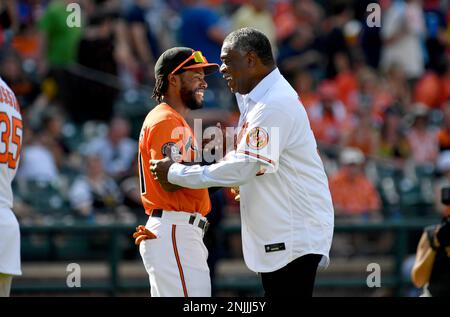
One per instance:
(176, 260)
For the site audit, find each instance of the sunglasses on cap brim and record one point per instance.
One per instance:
(200, 60)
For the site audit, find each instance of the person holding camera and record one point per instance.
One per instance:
(431, 268)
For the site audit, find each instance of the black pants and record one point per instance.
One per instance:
(294, 280)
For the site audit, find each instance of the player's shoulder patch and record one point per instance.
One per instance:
(172, 150)
(257, 138)
(167, 148)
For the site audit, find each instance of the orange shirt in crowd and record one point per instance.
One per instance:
(329, 129)
(444, 139)
(164, 130)
(353, 196)
(346, 85)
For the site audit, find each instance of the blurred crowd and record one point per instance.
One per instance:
(378, 98)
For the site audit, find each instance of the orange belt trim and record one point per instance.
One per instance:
(177, 257)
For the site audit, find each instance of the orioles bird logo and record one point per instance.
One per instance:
(257, 138)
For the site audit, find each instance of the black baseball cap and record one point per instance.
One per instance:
(178, 59)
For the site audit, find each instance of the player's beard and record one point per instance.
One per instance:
(189, 98)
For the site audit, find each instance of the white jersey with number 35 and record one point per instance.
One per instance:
(10, 142)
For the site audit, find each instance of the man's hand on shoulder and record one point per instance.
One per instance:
(159, 170)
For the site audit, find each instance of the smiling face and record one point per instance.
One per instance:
(235, 69)
(192, 88)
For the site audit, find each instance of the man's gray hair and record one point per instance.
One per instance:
(252, 40)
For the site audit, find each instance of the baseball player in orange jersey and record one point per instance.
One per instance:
(171, 243)
(10, 143)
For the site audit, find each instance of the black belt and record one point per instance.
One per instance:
(156, 213)
(202, 224)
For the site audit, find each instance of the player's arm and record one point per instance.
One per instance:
(236, 170)
(257, 153)
(163, 181)
(423, 265)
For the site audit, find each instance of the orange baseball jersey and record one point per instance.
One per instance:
(165, 132)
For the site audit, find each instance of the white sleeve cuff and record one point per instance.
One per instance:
(186, 176)
(175, 170)
(234, 171)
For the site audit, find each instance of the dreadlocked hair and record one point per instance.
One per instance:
(160, 88)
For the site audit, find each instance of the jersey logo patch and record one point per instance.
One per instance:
(257, 138)
(170, 149)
